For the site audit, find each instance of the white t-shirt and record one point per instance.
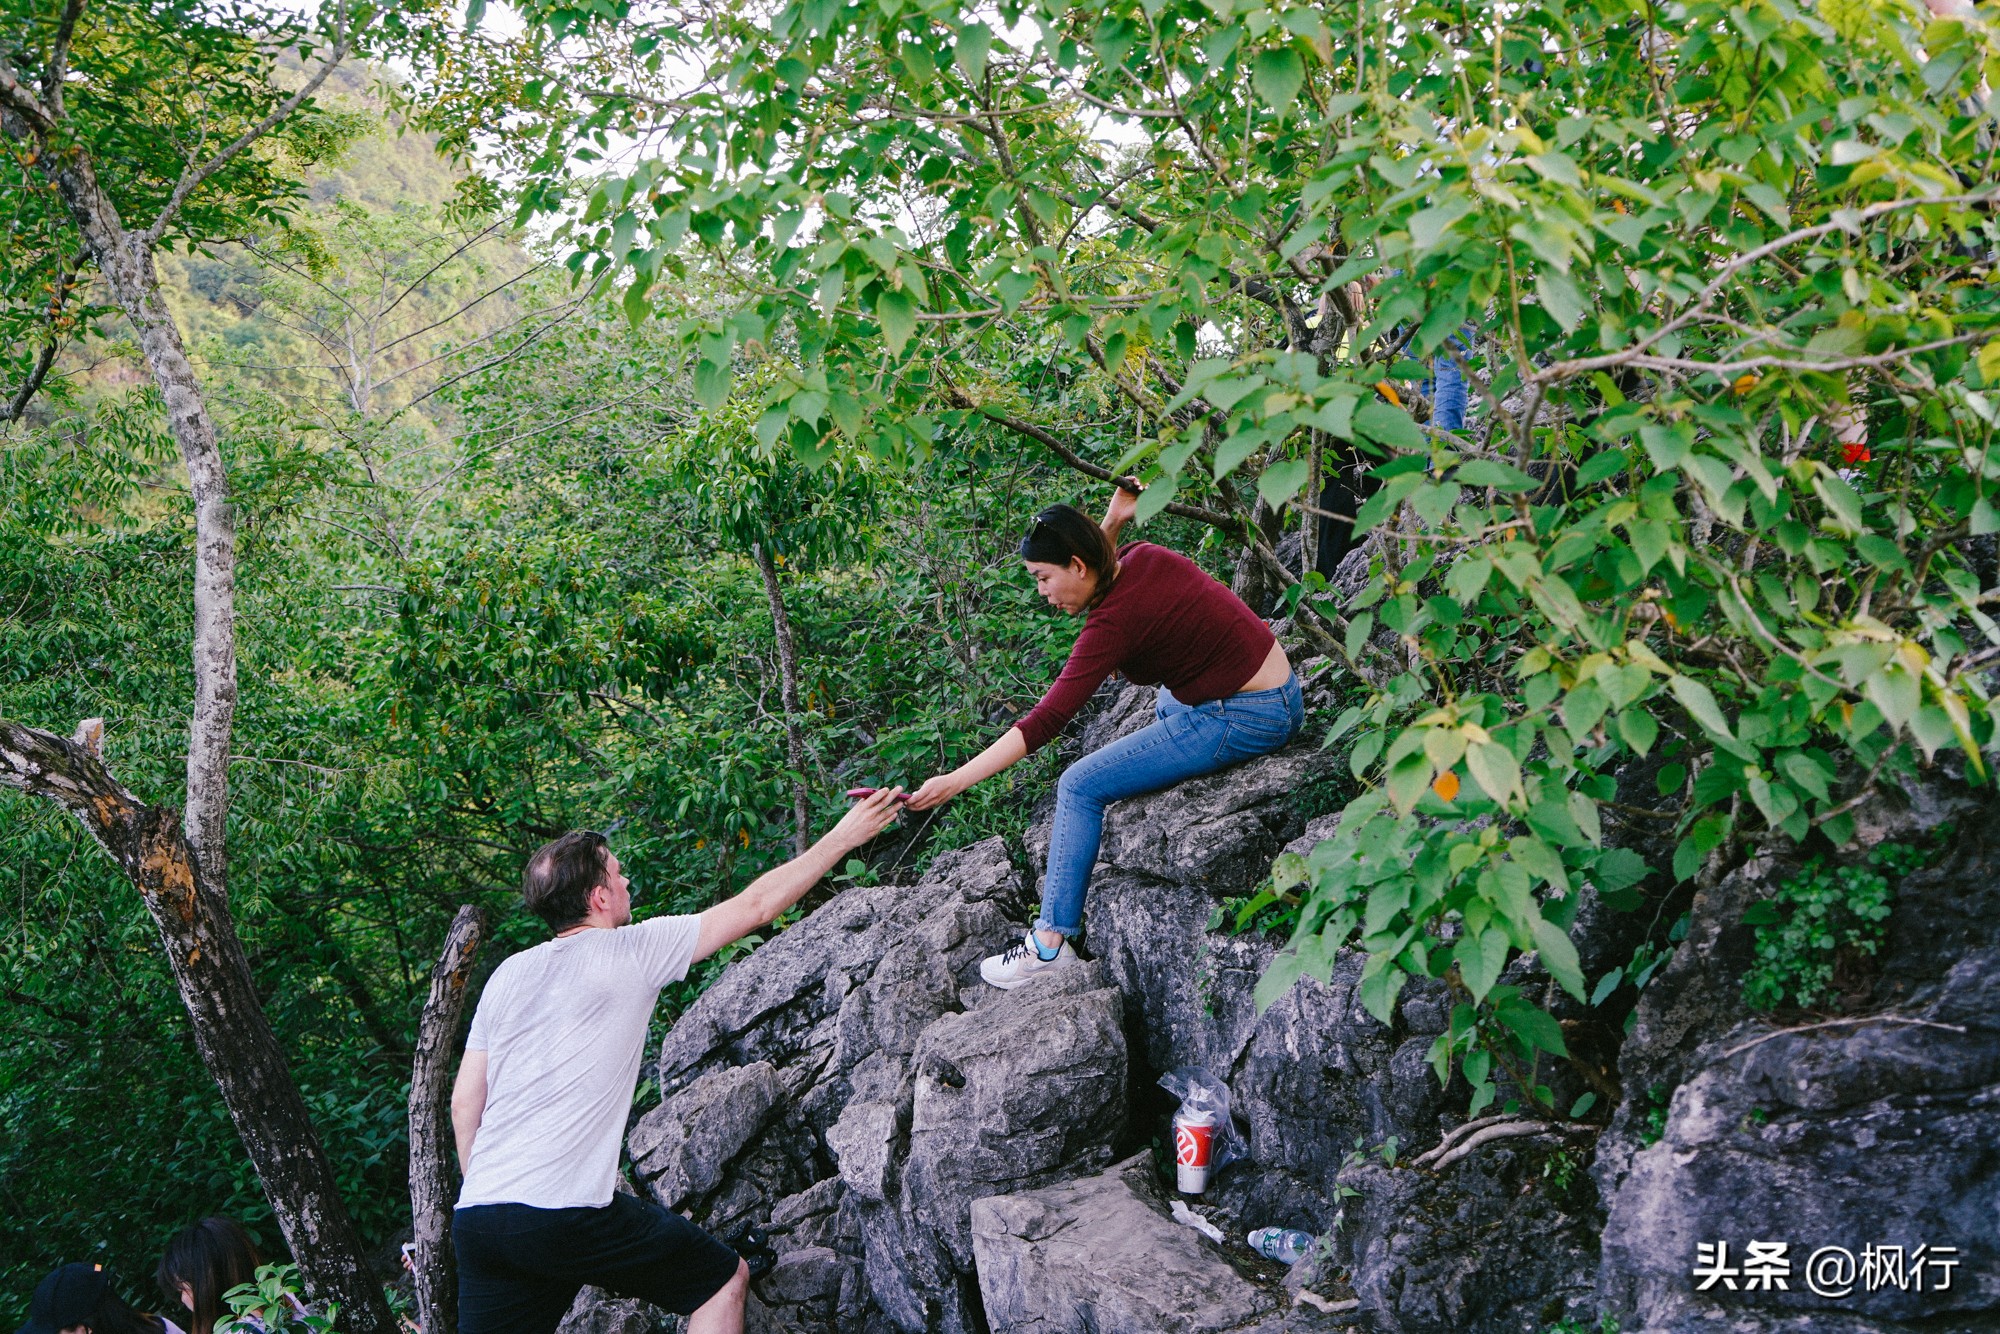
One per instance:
(563, 1026)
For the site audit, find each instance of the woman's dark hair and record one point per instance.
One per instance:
(1062, 534)
(559, 878)
(211, 1257)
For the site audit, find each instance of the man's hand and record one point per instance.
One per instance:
(865, 819)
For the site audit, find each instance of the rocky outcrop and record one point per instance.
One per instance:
(932, 1155)
(853, 1085)
(1878, 1129)
(1102, 1254)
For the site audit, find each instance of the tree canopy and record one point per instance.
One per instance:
(864, 285)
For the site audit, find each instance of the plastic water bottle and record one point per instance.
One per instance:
(1286, 1245)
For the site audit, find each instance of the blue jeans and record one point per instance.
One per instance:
(1185, 741)
(1448, 398)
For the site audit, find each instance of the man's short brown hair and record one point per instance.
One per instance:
(557, 884)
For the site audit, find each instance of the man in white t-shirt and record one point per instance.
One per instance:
(540, 1104)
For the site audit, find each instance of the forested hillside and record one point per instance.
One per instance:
(624, 417)
(492, 588)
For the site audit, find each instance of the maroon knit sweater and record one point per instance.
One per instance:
(1164, 622)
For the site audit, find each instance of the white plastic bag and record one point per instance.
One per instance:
(1201, 1091)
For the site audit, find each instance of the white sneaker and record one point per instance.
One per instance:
(1022, 963)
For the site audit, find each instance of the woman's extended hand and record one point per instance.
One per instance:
(937, 791)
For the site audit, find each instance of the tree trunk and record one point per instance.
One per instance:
(182, 875)
(1255, 582)
(788, 693)
(1309, 524)
(431, 1194)
(230, 1028)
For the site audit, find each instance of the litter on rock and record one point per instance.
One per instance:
(1189, 1218)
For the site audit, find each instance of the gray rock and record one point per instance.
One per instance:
(596, 1311)
(811, 1274)
(1874, 1129)
(1309, 1077)
(1025, 1089)
(1504, 1240)
(863, 1142)
(681, 1147)
(1100, 1255)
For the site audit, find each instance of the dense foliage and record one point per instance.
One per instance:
(1712, 553)
(1720, 280)
(502, 599)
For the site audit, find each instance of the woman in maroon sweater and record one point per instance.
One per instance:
(1227, 693)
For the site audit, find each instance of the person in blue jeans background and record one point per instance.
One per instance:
(1227, 693)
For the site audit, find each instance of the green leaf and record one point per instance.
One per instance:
(1281, 481)
(1428, 226)
(1495, 769)
(1534, 1026)
(1156, 497)
(1381, 982)
(1481, 960)
(1560, 298)
(1601, 467)
(1278, 978)
(1364, 754)
(1493, 473)
(711, 384)
(1377, 421)
(1638, 729)
(897, 310)
(1277, 75)
(1896, 691)
(1618, 868)
(1667, 445)
(1384, 502)
(1605, 986)
(1408, 781)
(1700, 704)
(1558, 955)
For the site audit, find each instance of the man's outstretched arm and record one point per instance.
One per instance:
(778, 889)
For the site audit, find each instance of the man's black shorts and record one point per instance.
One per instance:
(519, 1267)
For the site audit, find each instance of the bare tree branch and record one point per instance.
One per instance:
(191, 179)
(58, 70)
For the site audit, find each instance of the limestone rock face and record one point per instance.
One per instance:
(682, 1146)
(931, 1155)
(1875, 1129)
(834, 1086)
(1100, 1255)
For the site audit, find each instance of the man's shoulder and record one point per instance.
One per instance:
(653, 929)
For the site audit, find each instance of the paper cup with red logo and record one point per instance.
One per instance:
(1194, 1149)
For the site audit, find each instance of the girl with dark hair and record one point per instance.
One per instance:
(1227, 693)
(204, 1261)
